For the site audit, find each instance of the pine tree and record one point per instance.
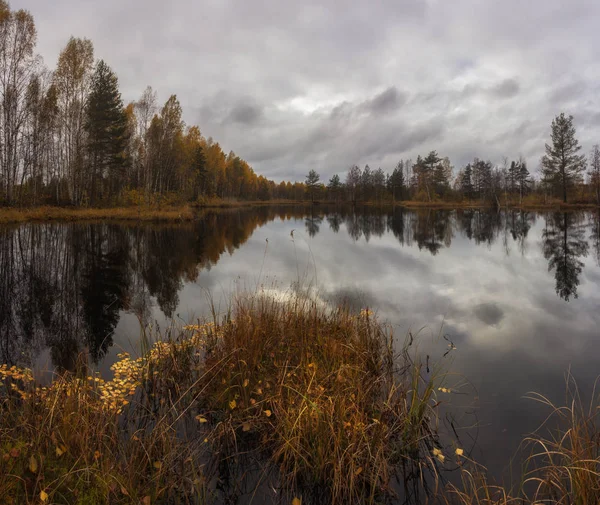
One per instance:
(427, 171)
(395, 182)
(513, 172)
(366, 183)
(466, 182)
(523, 179)
(106, 127)
(353, 178)
(334, 186)
(595, 171)
(482, 178)
(312, 181)
(562, 167)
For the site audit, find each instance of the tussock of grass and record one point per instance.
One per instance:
(318, 395)
(563, 466)
(323, 394)
(322, 398)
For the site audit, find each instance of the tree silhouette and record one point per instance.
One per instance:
(564, 244)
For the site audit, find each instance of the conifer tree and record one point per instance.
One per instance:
(562, 167)
(466, 182)
(595, 171)
(396, 182)
(106, 127)
(312, 181)
(334, 186)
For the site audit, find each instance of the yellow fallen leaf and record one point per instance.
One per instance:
(43, 496)
(124, 491)
(232, 404)
(459, 452)
(158, 465)
(33, 466)
(201, 419)
(268, 413)
(245, 383)
(296, 501)
(358, 471)
(146, 500)
(60, 450)
(246, 427)
(438, 454)
(96, 454)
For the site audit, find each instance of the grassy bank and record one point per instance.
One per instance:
(14, 215)
(220, 203)
(316, 395)
(188, 212)
(532, 204)
(129, 213)
(319, 404)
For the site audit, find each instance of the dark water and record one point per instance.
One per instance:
(518, 293)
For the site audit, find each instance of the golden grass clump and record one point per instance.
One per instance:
(561, 463)
(320, 396)
(86, 440)
(323, 393)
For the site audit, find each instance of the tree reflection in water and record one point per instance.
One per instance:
(65, 286)
(564, 244)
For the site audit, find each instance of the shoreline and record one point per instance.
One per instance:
(12, 215)
(15, 215)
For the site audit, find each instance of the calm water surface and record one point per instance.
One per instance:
(518, 293)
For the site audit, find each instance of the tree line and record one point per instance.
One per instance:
(66, 137)
(432, 178)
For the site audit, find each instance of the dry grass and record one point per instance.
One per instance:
(317, 395)
(129, 213)
(563, 465)
(219, 203)
(15, 215)
(323, 398)
(438, 204)
(323, 394)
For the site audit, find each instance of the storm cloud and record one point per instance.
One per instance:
(294, 86)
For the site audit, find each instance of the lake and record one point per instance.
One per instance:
(516, 293)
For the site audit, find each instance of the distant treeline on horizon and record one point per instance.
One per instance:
(66, 137)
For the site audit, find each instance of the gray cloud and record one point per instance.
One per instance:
(245, 113)
(506, 89)
(489, 313)
(384, 102)
(323, 84)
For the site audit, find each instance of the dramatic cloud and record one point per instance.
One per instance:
(292, 86)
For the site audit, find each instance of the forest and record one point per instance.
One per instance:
(564, 177)
(67, 138)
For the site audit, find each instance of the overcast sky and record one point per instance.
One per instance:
(291, 86)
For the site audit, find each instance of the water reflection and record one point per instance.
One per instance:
(564, 244)
(65, 287)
